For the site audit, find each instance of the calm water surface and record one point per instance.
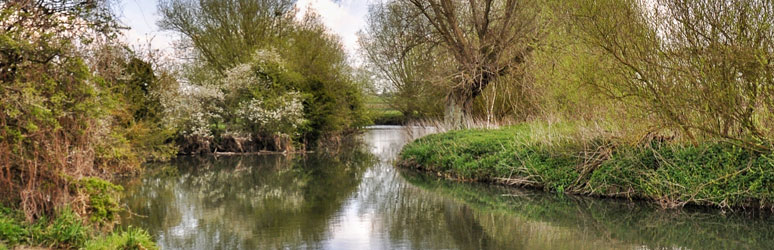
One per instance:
(356, 199)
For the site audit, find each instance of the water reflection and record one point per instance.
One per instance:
(358, 200)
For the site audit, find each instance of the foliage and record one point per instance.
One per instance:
(51, 113)
(67, 230)
(129, 239)
(474, 43)
(405, 67)
(11, 230)
(67, 111)
(226, 33)
(288, 81)
(389, 117)
(700, 68)
(103, 207)
(549, 157)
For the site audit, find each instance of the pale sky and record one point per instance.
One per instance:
(344, 18)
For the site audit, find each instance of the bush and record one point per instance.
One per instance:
(66, 113)
(103, 207)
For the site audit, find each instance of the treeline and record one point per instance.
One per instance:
(78, 106)
(684, 71)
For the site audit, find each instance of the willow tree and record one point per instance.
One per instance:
(485, 38)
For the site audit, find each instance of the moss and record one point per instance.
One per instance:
(713, 173)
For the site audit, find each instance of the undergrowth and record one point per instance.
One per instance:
(549, 157)
(67, 230)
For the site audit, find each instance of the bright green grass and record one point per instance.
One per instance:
(546, 157)
(66, 231)
(132, 238)
(382, 113)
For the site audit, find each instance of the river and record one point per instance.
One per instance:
(357, 199)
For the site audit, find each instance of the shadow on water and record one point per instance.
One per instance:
(356, 199)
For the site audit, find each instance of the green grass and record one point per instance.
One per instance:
(388, 117)
(132, 238)
(547, 157)
(382, 113)
(66, 230)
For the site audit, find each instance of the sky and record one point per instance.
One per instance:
(343, 17)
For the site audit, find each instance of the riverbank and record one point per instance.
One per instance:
(547, 157)
(66, 230)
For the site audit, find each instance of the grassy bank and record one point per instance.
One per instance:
(87, 226)
(388, 117)
(381, 113)
(67, 230)
(547, 157)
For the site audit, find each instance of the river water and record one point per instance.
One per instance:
(357, 199)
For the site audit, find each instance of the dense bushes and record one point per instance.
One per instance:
(69, 115)
(550, 157)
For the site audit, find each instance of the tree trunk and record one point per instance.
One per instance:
(457, 110)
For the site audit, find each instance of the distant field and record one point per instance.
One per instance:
(382, 113)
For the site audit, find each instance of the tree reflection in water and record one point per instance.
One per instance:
(241, 202)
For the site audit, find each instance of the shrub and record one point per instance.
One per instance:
(103, 207)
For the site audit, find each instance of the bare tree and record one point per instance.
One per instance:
(398, 53)
(486, 38)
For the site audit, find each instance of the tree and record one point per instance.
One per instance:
(393, 44)
(307, 62)
(221, 31)
(702, 68)
(486, 39)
